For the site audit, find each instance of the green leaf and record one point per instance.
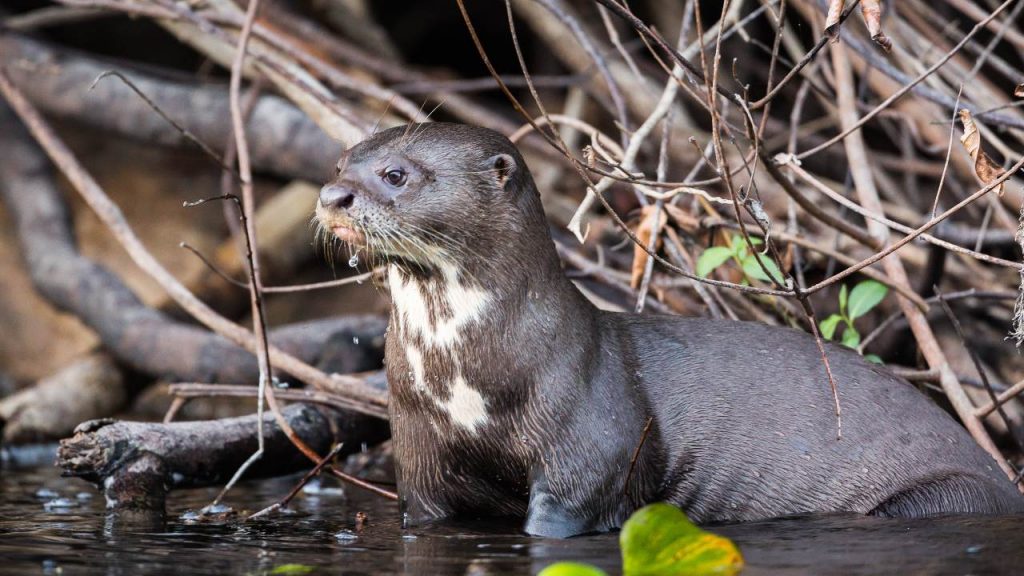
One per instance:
(293, 569)
(873, 358)
(571, 569)
(752, 269)
(843, 292)
(712, 258)
(773, 269)
(659, 540)
(851, 338)
(828, 326)
(865, 296)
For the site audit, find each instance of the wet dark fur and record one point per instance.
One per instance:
(743, 425)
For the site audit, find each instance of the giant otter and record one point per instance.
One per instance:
(512, 395)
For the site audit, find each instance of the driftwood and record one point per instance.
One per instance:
(284, 140)
(137, 335)
(136, 464)
(90, 388)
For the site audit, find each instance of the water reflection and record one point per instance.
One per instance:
(321, 531)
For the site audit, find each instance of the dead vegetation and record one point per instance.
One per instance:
(799, 146)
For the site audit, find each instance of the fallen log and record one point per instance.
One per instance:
(136, 464)
(58, 80)
(141, 337)
(87, 389)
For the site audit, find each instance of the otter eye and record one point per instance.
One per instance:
(395, 177)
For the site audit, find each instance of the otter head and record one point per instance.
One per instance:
(429, 195)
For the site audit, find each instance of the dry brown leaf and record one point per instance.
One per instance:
(1019, 91)
(986, 170)
(872, 12)
(643, 232)
(835, 10)
(682, 219)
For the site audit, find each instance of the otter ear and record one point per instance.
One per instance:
(503, 167)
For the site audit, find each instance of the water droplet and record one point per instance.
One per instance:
(316, 487)
(215, 509)
(59, 504)
(46, 493)
(354, 260)
(346, 536)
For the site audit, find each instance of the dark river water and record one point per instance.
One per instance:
(52, 525)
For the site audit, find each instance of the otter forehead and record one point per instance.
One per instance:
(433, 141)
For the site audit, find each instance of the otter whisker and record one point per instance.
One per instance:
(412, 246)
(460, 249)
(376, 124)
(408, 128)
(455, 252)
(419, 130)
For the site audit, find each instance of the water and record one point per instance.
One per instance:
(77, 537)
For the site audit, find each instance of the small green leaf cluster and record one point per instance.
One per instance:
(852, 305)
(739, 252)
(659, 540)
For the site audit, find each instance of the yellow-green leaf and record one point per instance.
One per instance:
(712, 258)
(571, 569)
(851, 338)
(660, 540)
(865, 296)
(293, 569)
(828, 326)
(753, 269)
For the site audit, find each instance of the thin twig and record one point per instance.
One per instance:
(636, 455)
(295, 490)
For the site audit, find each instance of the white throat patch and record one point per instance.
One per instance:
(464, 304)
(440, 331)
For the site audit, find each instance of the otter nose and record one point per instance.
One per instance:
(335, 196)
